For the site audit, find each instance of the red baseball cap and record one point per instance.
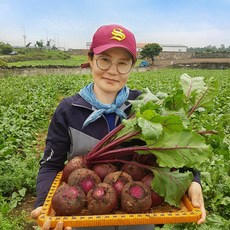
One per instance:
(110, 36)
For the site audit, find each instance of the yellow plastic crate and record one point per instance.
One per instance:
(186, 213)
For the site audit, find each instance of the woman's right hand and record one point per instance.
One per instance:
(46, 226)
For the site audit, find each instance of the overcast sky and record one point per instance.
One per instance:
(71, 23)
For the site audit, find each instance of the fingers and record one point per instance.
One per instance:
(59, 226)
(46, 225)
(68, 228)
(196, 196)
(36, 212)
(196, 201)
(200, 204)
(203, 215)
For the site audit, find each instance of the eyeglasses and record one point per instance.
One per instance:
(104, 63)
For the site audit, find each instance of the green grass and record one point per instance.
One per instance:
(72, 61)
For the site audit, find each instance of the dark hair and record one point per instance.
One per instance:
(90, 55)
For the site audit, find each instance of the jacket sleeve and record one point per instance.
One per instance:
(195, 172)
(55, 154)
(196, 175)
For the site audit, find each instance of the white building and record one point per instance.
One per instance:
(174, 48)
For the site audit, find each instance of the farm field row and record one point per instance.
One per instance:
(27, 104)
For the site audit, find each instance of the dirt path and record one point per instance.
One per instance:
(27, 206)
(165, 63)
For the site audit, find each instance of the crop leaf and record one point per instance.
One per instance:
(170, 123)
(192, 86)
(180, 149)
(149, 130)
(146, 99)
(171, 185)
(176, 101)
(197, 92)
(211, 92)
(180, 112)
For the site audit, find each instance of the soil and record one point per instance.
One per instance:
(27, 206)
(167, 63)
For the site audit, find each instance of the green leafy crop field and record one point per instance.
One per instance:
(27, 104)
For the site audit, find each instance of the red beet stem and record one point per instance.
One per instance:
(120, 152)
(207, 132)
(111, 145)
(197, 104)
(105, 139)
(114, 154)
(121, 161)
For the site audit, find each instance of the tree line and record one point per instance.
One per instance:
(209, 49)
(152, 49)
(6, 48)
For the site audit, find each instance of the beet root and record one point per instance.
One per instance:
(136, 197)
(68, 200)
(118, 180)
(85, 178)
(75, 163)
(102, 199)
(102, 170)
(156, 198)
(136, 172)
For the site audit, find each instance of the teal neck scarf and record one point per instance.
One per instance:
(88, 94)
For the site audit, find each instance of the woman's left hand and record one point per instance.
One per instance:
(196, 196)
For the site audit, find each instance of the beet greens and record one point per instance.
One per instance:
(163, 124)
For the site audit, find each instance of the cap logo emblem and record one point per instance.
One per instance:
(118, 34)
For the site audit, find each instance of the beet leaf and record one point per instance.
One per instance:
(179, 149)
(171, 185)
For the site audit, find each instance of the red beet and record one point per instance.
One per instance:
(102, 199)
(85, 178)
(156, 198)
(136, 197)
(173, 169)
(103, 170)
(75, 163)
(118, 180)
(136, 172)
(68, 200)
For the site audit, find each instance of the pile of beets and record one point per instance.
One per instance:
(104, 188)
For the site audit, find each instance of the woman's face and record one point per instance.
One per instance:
(110, 81)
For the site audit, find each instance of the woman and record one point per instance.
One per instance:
(82, 120)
